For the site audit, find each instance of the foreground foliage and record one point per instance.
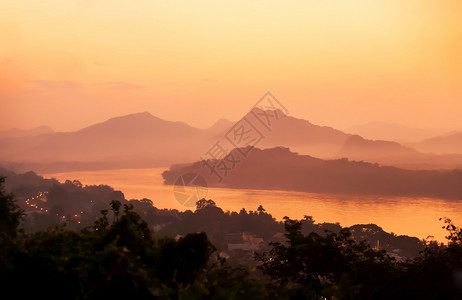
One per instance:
(120, 257)
(123, 259)
(335, 266)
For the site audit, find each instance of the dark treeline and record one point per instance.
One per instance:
(79, 206)
(279, 168)
(119, 256)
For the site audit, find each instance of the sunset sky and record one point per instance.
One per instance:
(69, 64)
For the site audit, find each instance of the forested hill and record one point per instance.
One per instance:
(279, 168)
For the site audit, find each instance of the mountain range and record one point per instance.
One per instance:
(445, 144)
(394, 132)
(15, 132)
(144, 140)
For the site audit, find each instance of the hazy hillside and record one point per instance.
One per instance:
(143, 140)
(393, 132)
(395, 154)
(445, 144)
(140, 140)
(279, 129)
(15, 132)
(132, 141)
(279, 168)
(358, 147)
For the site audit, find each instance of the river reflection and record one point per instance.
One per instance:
(410, 216)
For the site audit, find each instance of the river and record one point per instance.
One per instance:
(403, 215)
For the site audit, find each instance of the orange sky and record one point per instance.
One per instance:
(69, 64)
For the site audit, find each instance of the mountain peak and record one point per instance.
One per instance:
(143, 114)
(258, 111)
(140, 116)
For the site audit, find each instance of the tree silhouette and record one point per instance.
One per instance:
(331, 265)
(10, 218)
(10, 215)
(455, 233)
(115, 206)
(260, 209)
(203, 203)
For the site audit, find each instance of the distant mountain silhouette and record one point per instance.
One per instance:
(279, 129)
(393, 132)
(135, 140)
(143, 140)
(357, 147)
(279, 168)
(328, 143)
(395, 154)
(445, 144)
(15, 132)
